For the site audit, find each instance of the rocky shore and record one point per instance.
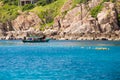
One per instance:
(76, 24)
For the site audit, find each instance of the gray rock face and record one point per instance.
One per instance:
(26, 21)
(107, 18)
(94, 3)
(50, 32)
(107, 21)
(86, 26)
(74, 16)
(78, 23)
(21, 27)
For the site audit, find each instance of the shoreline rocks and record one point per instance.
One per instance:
(114, 36)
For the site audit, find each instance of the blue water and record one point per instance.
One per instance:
(60, 60)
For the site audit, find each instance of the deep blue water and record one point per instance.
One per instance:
(60, 60)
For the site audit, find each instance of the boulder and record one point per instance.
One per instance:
(50, 32)
(93, 3)
(26, 21)
(2, 33)
(74, 15)
(107, 18)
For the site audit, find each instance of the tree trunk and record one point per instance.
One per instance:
(81, 12)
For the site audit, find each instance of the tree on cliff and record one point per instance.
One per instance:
(82, 2)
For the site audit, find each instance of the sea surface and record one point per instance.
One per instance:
(60, 60)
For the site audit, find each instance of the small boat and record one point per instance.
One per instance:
(35, 39)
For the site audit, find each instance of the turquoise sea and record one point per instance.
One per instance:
(60, 60)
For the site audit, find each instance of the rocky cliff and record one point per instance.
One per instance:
(24, 25)
(78, 23)
(75, 23)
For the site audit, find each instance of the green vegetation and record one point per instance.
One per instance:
(8, 10)
(10, 2)
(108, 1)
(28, 7)
(48, 12)
(94, 11)
(44, 2)
(79, 2)
(8, 13)
(15, 2)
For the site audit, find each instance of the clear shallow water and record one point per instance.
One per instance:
(60, 60)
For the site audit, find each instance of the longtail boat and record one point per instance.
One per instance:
(35, 39)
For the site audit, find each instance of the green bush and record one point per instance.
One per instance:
(96, 10)
(47, 16)
(80, 1)
(41, 3)
(44, 2)
(28, 7)
(48, 12)
(8, 13)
